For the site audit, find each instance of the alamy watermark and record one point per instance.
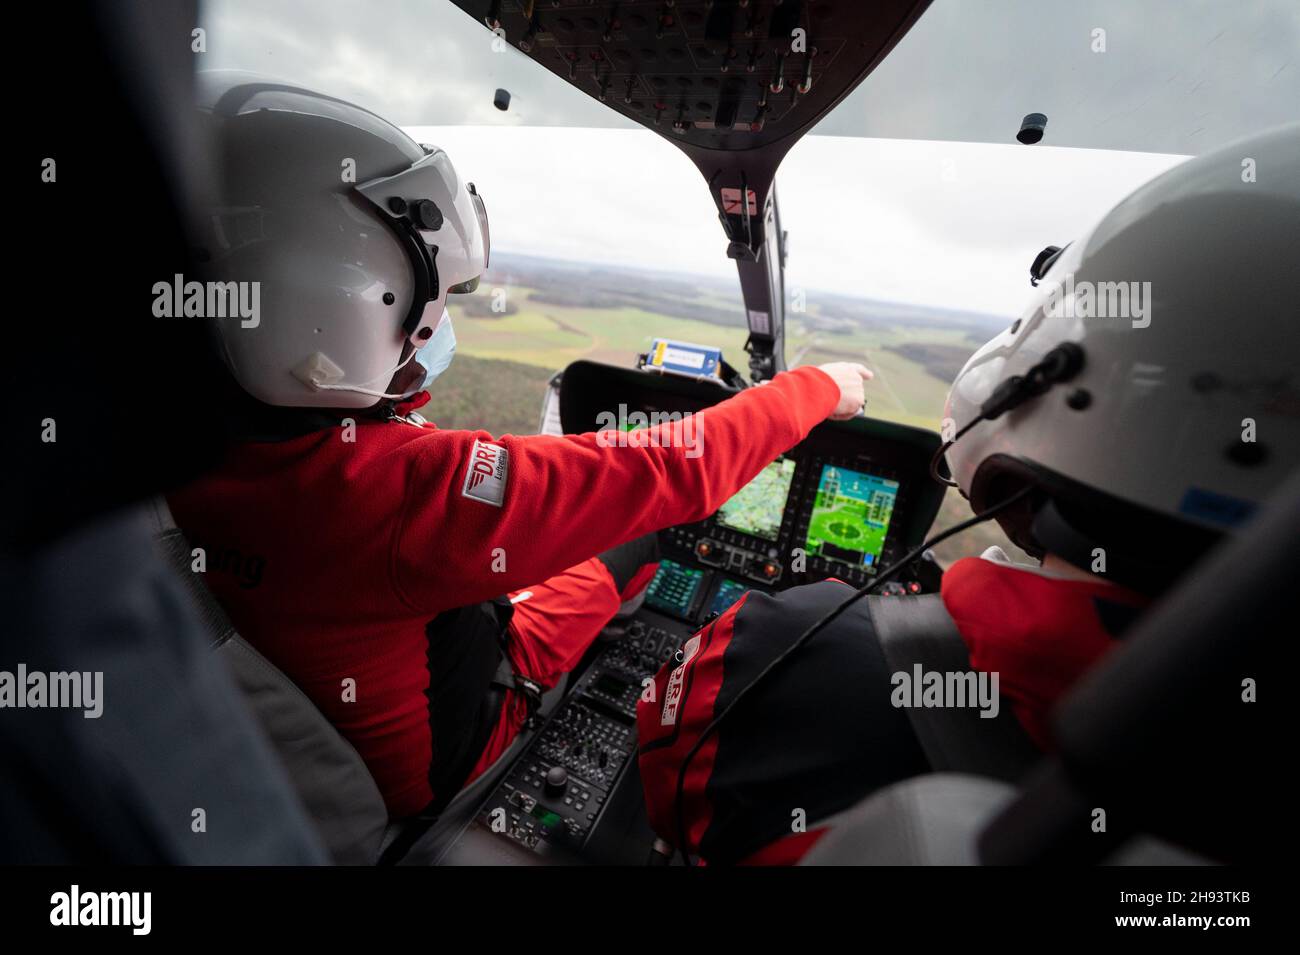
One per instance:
(656, 429)
(950, 689)
(128, 909)
(36, 690)
(1085, 299)
(181, 299)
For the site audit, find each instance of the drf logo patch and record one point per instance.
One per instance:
(673, 692)
(485, 478)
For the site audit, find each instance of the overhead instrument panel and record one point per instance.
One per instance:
(718, 74)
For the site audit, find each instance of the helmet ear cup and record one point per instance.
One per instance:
(1142, 549)
(998, 479)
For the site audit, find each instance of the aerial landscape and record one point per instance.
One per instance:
(530, 317)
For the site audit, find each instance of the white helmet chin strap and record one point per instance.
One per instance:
(315, 382)
(317, 371)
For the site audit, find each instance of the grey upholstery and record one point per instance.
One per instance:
(942, 819)
(937, 820)
(1146, 851)
(172, 735)
(930, 820)
(1132, 736)
(914, 630)
(336, 789)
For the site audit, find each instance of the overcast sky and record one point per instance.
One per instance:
(935, 209)
(948, 224)
(1176, 76)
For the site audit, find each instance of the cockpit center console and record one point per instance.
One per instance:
(848, 501)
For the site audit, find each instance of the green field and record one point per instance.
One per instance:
(501, 397)
(550, 336)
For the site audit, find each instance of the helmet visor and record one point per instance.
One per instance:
(443, 223)
(481, 211)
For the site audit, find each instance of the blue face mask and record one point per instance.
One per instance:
(436, 354)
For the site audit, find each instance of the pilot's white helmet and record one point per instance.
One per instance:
(1182, 410)
(353, 233)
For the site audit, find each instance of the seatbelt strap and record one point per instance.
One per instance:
(507, 679)
(918, 630)
(483, 627)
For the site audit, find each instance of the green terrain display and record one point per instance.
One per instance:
(757, 507)
(850, 517)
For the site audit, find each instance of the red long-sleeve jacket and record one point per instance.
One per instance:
(331, 555)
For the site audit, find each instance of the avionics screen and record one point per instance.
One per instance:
(674, 588)
(850, 517)
(758, 506)
(545, 816)
(729, 591)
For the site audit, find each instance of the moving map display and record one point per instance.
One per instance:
(850, 517)
(758, 506)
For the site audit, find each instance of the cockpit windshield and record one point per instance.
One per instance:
(911, 211)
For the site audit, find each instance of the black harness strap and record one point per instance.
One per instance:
(465, 656)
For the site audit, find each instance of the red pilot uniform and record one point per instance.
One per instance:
(421, 586)
(368, 547)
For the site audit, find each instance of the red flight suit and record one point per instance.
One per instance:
(359, 543)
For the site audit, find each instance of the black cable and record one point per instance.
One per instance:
(808, 634)
(943, 449)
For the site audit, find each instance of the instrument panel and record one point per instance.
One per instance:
(849, 500)
(846, 502)
(805, 517)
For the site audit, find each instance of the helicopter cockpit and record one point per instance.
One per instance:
(743, 89)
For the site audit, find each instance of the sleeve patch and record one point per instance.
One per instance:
(673, 692)
(485, 475)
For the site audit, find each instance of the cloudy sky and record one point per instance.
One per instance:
(948, 224)
(913, 188)
(1176, 76)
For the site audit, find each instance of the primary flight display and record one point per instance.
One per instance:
(850, 517)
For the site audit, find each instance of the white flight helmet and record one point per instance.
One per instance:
(1154, 383)
(353, 234)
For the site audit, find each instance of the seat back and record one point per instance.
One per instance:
(1181, 731)
(918, 631)
(336, 788)
(930, 820)
(939, 819)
